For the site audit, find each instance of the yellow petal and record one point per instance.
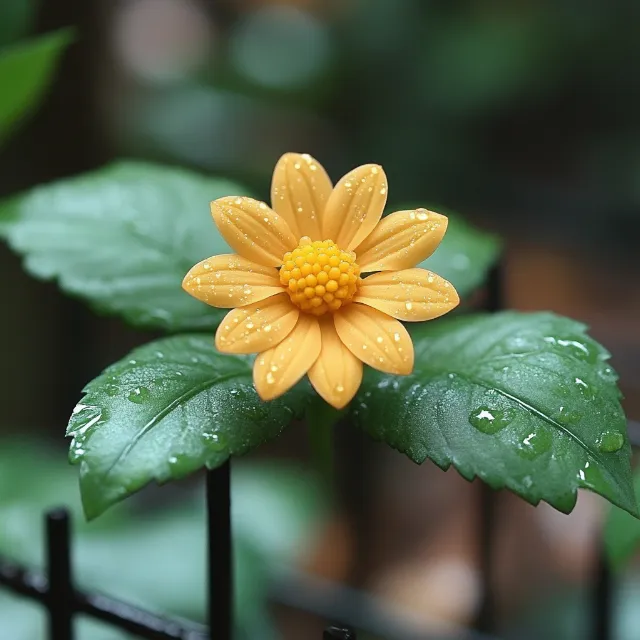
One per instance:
(355, 206)
(299, 192)
(275, 371)
(258, 326)
(402, 240)
(254, 230)
(375, 338)
(231, 281)
(412, 295)
(337, 373)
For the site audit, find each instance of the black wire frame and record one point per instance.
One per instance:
(55, 589)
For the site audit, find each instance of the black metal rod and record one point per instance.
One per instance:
(134, 620)
(370, 615)
(338, 633)
(494, 300)
(60, 597)
(602, 604)
(23, 581)
(220, 552)
(485, 619)
(34, 585)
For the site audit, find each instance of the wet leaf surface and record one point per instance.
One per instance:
(524, 401)
(123, 238)
(166, 410)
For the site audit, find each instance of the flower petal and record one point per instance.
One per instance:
(254, 230)
(230, 280)
(275, 371)
(337, 373)
(299, 192)
(412, 295)
(355, 206)
(402, 240)
(258, 326)
(375, 338)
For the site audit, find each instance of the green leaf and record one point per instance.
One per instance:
(25, 71)
(123, 238)
(622, 533)
(164, 411)
(464, 256)
(524, 401)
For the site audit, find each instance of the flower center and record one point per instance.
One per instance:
(319, 276)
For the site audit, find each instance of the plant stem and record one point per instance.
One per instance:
(321, 419)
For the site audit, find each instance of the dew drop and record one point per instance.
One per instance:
(270, 378)
(139, 395)
(610, 441)
(607, 374)
(339, 388)
(491, 421)
(535, 443)
(111, 390)
(421, 214)
(585, 389)
(567, 417)
(215, 441)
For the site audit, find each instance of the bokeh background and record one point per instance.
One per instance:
(522, 115)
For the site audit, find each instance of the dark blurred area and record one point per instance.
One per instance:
(522, 115)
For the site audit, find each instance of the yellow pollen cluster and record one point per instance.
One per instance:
(319, 276)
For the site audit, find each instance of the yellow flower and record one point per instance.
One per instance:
(302, 304)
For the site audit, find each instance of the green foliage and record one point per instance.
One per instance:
(25, 71)
(126, 556)
(123, 238)
(464, 256)
(167, 409)
(524, 401)
(622, 533)
(16, 18)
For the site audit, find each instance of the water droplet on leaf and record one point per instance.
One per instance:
(215, 441)
(491, 421)
(139, 395)
(610, 441)
(534, 444)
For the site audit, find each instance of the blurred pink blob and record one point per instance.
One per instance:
(162, 40)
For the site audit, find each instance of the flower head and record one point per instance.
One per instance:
(299, 285)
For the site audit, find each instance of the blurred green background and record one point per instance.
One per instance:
(522, 115)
